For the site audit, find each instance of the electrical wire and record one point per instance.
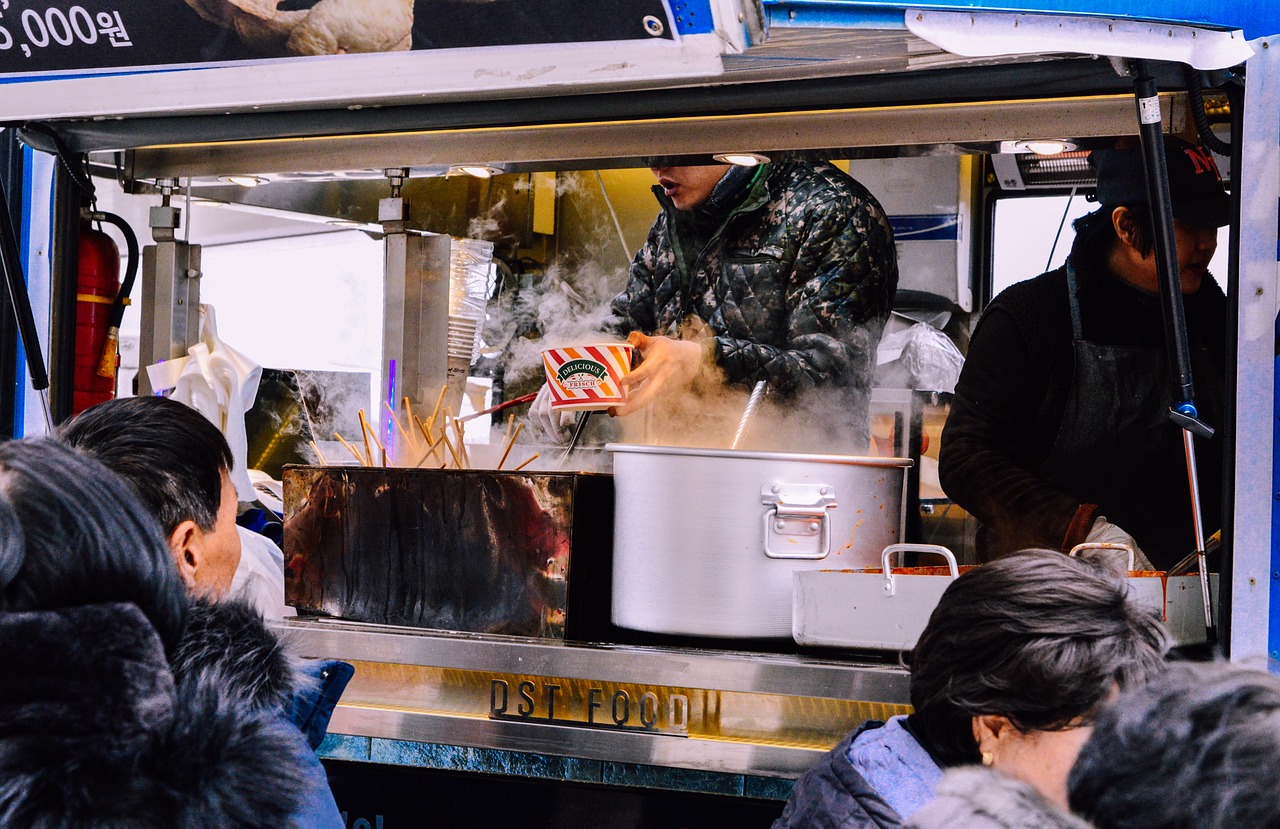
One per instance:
(1053, 249)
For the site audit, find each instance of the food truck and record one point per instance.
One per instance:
(656, 627)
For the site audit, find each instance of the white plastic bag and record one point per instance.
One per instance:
(919, 357)
(221, 384)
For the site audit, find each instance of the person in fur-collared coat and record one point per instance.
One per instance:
(973, 797)
(124, 704)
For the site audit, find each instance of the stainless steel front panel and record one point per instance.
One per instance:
(737, 712)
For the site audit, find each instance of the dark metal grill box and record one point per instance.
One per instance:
(463, 550)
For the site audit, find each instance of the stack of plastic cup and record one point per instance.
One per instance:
(469, 267)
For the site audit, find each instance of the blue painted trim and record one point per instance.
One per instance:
(797, 14)
(85, 74)
(22, 379)
(692, 17)
(1258, 18)
(1273, 622)
(926, 227)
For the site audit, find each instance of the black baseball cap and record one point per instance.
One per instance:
(1195, 185)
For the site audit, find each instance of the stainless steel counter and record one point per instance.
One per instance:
(734, 712)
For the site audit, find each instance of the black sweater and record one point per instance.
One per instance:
(1011, 396)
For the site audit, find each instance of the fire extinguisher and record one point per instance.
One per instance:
(100, 302)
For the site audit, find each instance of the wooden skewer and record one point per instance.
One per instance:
(354, 451)
(426, 433)
(449, 446)
(462, 443)
(511, 441)
(532, 458)
(439, 401)
(381, 449)
(315, 447)
(364, 433)
(407, 438)
(431, 450)
(408, 412)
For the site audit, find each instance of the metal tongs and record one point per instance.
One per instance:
(573, 441)
(1193, 558)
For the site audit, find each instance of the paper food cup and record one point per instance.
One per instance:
(587, 376)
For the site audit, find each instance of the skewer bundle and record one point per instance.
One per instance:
(427, 441)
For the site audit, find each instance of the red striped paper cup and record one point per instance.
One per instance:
(587, 376)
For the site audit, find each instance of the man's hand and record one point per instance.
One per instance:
(669, 365)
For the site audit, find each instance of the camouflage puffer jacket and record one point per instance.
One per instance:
(795, 285)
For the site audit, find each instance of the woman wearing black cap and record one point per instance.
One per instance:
(1059, 431)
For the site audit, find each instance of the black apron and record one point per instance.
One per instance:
(1118, 449)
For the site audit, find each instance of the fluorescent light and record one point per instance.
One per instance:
(1044, 146)
(742, 159)
(477, 170)
(244, 181)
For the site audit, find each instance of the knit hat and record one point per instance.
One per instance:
(1195, 185)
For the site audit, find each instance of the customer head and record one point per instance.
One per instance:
(179, 464)
(1018, 658)
(1193, 749)
(72, 533)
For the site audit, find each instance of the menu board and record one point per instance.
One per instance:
(73, 36)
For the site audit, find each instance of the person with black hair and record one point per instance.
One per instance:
(1015, 662)
(1059, 432)
(110, 713)
(1194, 749)
(180, 466)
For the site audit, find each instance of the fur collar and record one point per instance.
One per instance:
(231, 637)
(972, 797)
(96, 730)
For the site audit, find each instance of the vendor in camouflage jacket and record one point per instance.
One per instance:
(784, 272)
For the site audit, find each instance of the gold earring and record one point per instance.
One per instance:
(988, 758)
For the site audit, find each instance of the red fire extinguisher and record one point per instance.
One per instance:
(100, 302)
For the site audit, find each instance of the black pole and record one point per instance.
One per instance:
(15, 281)
(1235, 93)
(11, 181)
(1157, 176)
(64, 262)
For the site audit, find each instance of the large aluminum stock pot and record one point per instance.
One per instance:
(706, 540)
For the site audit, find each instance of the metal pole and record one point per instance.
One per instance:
(1183, 412)
(11, 264)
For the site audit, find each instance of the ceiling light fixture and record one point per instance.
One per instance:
(477, 170)
(244, 181)
(742, 159)
(1044, 146)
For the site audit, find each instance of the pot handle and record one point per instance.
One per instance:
(937, 549)
(824, 527)
(1104, 545)
(798, 510)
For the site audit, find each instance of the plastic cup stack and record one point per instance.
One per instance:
(469, 267)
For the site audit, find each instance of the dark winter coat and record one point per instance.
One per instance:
(99, 729)
(977, 798)
(1009, 406)
(794, 284)
(832, 795)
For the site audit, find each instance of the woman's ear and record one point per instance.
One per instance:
(988, 731)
